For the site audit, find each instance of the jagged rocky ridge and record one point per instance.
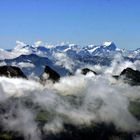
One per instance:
(11, 71)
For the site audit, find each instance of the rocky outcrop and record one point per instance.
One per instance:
(50, 74)
(11, 71)
(87, 70)
(131, 76)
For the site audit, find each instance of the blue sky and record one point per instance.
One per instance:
(77, 21)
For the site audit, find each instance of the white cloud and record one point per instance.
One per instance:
(78, 100)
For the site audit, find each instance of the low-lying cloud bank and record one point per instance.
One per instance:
(76, 100)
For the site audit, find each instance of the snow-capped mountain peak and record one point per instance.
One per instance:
(107, 43)
(110, 45)
(106, 49)
(38, 43)
(103, 49)
(19, 45)
(63, 55)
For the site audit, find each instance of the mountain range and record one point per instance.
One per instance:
(99, 99)
(64, 58)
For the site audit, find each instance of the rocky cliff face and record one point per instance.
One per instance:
(11, 71)
(50, 74)
(131, 76)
